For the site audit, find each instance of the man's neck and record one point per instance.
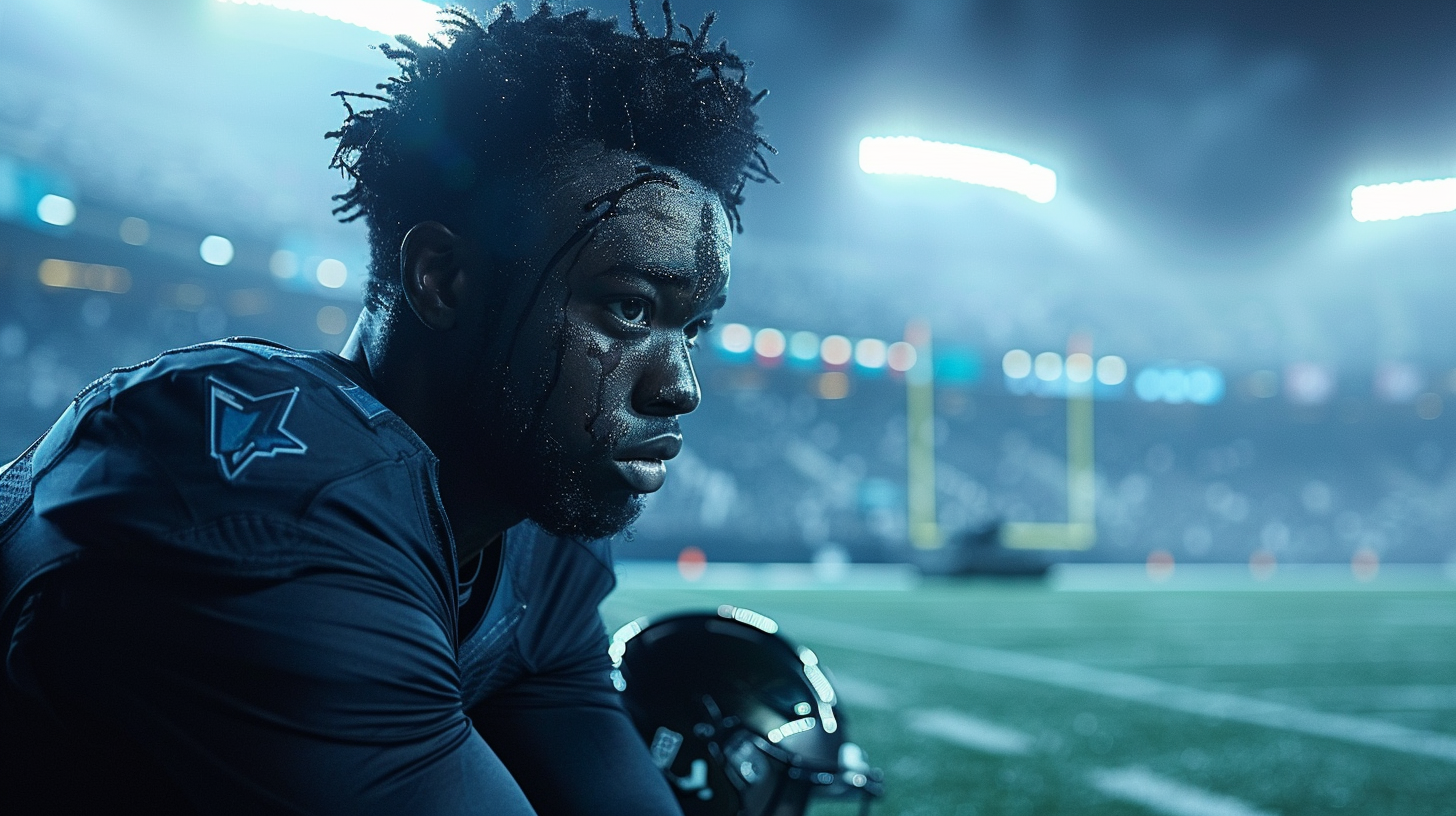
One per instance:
(408, 385)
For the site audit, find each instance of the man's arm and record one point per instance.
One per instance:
(329, 693)
(568, 741)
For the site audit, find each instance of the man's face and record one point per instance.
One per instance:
(596, 345)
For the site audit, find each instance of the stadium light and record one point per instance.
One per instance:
(836, 350)
(1387, 202)
(56, 210)
(871, 353)
(910, 156)
(804, 346)
(1017, 364)
(736, 338)
(331, 273)
(216, 250)
(413, 18)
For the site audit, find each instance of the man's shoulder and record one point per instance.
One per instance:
(216, 429)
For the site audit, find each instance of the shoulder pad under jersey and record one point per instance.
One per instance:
(232, 427)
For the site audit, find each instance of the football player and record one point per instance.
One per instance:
(240, 578)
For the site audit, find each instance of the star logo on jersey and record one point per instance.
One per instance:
(245, 427)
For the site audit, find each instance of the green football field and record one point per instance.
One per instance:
(982, 698)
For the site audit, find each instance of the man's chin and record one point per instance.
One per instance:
(589, 518)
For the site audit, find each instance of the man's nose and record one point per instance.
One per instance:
(669, 385)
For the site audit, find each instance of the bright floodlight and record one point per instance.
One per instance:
(57, 210)
(901, 356)
(1111, 370)
(836, 350)
(1079, 367)
(1016, 364)
(414, 18)
(909, 156)
(736, 338)
(871, 353)
(216, 250)
(1387, 202)
(770, 343)
(331, 272)
(1048, 366)
(804, 345)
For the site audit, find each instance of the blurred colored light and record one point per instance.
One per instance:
(56, 210)
(283, 264)
(1016, 364)
(1262, 565)
(769, 343)
(870, 353)
(1204, 385)
(1308, 383)
(1365, 564)
(1175, 386)
(832, 385)
(736, 338)
(73, 275)
(414, 18)
(216, 250)
(1111, 370)
(1201, 385)
(1387, 202)
(331, 273)
(1397, 381)
(134, 231)
(1149, 385)
(332, 320)
(901, 356)
(804, 345)
(836, 350)
(1079, 367)
(1160, 565)
(909, 156)
(692, 563)
(1048, 366)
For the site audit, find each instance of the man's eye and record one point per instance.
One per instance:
(696, 330)
(631, 310)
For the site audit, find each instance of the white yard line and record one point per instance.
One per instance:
(861, 693)
(970, 732)
(1066, 674)
(1168, 796)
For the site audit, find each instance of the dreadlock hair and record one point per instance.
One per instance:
(479, 107)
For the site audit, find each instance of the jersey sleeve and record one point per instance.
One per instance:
(560, 727)
(329, 693)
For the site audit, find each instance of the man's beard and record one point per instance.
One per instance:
(563, 503)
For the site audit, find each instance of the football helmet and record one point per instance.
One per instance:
(741, 721)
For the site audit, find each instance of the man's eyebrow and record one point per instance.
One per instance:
(659, 274)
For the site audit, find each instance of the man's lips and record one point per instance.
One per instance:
(642, 475)
(644, 465)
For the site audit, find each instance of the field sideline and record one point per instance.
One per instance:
(984, 698)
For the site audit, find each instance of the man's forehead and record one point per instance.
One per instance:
(653, 193)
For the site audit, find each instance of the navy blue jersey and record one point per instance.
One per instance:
(230, 587)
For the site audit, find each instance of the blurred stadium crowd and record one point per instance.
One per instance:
(783, 464)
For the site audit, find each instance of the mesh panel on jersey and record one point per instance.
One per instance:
(14, 488)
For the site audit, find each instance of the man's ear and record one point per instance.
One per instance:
(431, 271)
